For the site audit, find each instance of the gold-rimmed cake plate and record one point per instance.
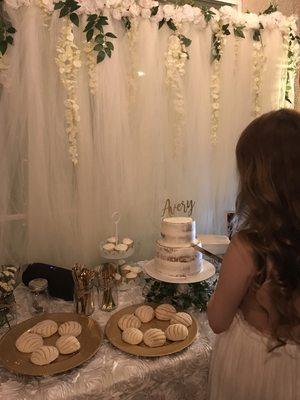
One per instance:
(114, 335)
(90, 339)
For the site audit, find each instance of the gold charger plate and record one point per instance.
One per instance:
(114, 335)
(90, 339)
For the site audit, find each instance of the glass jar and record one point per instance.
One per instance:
(84, 301)
(107, 287)
(39, 296)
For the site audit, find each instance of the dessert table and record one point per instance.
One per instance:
(112, 374)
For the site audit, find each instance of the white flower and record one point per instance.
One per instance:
(135, 10)
(216, 15)
(117, 14)
(169, 11)
(251, 21)
(112, 3)
(199, 18)
(146, 4)
(146, 13)
(188, 13)
(126, 4)
(227, 11)
(159, 16)
(48, 4)
(215, 27)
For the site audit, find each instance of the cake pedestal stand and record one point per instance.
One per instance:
(207, 271)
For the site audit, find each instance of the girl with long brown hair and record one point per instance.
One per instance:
(256, 306)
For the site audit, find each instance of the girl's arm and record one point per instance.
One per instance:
(236, 274)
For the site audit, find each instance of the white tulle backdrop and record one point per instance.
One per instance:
(52, 211)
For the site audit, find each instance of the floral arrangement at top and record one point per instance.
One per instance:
(222, 22)
(7, 280)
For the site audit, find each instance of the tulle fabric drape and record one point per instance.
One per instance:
(51, 211)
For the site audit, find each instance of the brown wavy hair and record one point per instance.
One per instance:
(268, 208)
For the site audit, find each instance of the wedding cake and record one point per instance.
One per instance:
(175, 255)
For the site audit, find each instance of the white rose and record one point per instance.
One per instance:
(216, 15)
(199, 18)
(117, 14)
(127, 3)
(159, 16)
(188, 13)
(112, 3)
(251, 21)
(99, 4)
(146, 3)
(169, 11)
(215, 27)
(178, 14)
(146, 13)
(135, 10)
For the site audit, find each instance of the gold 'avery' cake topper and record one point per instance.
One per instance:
(182, 207)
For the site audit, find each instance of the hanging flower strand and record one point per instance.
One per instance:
(68, 62)
(257, 70)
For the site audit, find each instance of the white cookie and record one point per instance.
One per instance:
(67, 344)
(177, 332)
(44, 355)
(182, 318)
(128, 321)
(29, 342)
(72, 328)
(132, 336)
(165, 312)
(45, 328)
(154, 337)
(145, 313)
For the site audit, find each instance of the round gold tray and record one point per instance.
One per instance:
(114, 335)
(90, 339)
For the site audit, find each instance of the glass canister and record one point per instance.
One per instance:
(39, 296)
(84, 300)
(107, 287)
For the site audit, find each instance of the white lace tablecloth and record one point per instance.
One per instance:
(112, 374)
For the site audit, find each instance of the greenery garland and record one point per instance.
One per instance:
(192, 295)
(6, 33)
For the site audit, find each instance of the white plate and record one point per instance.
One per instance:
(207, 271)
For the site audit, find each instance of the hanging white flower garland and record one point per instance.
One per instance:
(91, 66)
(176, 57)
(224, 21)
(132, 35)
(68, 62)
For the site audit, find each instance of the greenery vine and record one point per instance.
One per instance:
(194, 294)
(6, 33)
(95, 32)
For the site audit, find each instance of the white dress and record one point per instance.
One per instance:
(243, 369)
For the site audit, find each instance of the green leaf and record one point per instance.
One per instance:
(109, 45)
(75, 6)
(272, 8)
(171, 25)
(92, 17)
(89, 26)
(186, 41)
(89, 35)
(161, 23)
(261, 26)
(108, 51)
(10, 39)
(111, 35)
(3, 47)
(239, 33)
(99, 39)
(102, 19)
(99, 26)
(100, 57)
(98, 47)
(126, 22)
(64, 11)
(154, 11)
(75, 19)
(256, 35)
(59, 5)
(11, 29)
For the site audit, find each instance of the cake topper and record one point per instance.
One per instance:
(116, 217)
(182, 207)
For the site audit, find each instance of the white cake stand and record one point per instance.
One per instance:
(207, 271)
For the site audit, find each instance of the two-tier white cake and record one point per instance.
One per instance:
(175, 255)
